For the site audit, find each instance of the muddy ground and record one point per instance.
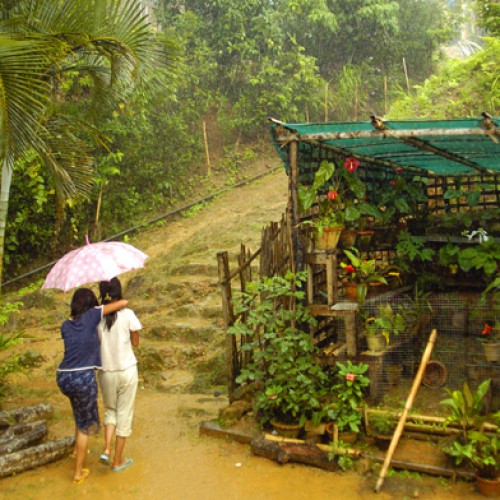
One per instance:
(182, 374)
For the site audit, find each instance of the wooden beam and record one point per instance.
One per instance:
(389, 133)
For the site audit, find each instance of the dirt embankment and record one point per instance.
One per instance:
(176, 298)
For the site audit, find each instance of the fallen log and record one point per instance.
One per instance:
(35, 456)
(28, 438)
(284, 453)
(26, 414)
(16, 430)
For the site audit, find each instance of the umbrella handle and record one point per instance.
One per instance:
(87, 239)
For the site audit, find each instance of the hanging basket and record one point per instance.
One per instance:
(328, 239)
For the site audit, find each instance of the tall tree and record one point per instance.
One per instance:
(111, 41)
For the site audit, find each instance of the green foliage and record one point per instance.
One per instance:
(293, 384)
(413, 249)
(475, 444)
(350, 390)
(484, 256)
(386, 322)
(461, 88)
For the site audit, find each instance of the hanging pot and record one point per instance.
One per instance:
(328, 239)
(375, 288)
(348, 238)
(351, 290)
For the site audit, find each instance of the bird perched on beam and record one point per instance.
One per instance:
(489, 125)
(377, 122)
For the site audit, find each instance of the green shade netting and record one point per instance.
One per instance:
(444, 154)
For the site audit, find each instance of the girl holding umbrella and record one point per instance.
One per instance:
(75, 375)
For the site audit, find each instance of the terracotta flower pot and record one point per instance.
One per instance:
(488, 487)
(348, 238)
(329, 238)
(376, 343)
(491, 351)
(286, 430)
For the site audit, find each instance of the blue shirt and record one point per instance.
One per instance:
(81, 342)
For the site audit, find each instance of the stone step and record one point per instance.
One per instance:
(192, 329)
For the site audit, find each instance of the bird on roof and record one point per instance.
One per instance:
(489, 125)
(377, 122)
(487, 121)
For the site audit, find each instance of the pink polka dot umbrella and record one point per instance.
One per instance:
(94, 262)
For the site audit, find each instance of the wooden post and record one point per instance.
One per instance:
(385, 95)
(406, 75)
(296, 253)
(407, 408)
(228, 316)
(205, 142)
(326, 102)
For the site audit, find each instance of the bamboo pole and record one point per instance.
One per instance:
(407, 408)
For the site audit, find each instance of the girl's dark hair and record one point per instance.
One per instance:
(110, 291)
(83, 300)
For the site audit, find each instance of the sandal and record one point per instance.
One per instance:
(104, 459)
(85, 473)
(128, 462)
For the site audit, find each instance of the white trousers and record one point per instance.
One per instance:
(118, 390)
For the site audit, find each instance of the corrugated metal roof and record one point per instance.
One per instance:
(438, 147)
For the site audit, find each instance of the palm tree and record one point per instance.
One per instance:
(40, 40)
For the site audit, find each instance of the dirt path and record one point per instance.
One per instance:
(174, 298)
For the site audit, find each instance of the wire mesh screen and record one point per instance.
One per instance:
(459, 354)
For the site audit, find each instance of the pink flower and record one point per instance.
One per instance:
(351, 377)
(351, 164)
(392, 182)
(332, 195)
(272, 396)
(398, 170)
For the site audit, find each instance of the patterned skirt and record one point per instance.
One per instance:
(81, 389)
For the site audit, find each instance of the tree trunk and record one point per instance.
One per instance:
(35, 456)
(27, 414)
(284, 453)
(18, 442)
(4, 206)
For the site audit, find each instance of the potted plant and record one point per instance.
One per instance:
(349, 389)
(478, 443)
(360, 274)
(382, 326)
(292, 386)
(490, 334)
(339, 206)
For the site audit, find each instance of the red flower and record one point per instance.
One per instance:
(488, 329)
(332, 195)
(351, 164)
(398, 170)
(350, 376)
(392, 182)
(350, 268)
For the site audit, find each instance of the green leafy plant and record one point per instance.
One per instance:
(341, 204)
(387, 322)
(475, 445)
(484, 256)
(292, 385)
(350, 391)
(411, 249)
